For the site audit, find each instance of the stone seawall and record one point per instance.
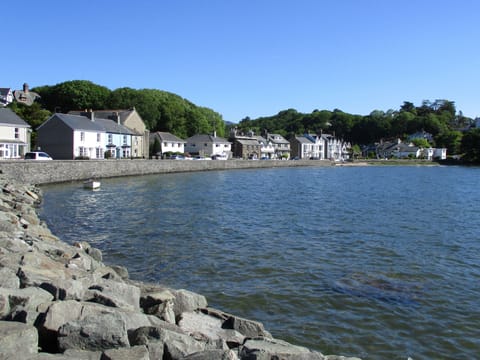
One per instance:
(45, 172)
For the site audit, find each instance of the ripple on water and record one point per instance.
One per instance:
(373, 262)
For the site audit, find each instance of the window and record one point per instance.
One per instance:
(82, 137)
(99, 152)
(110, 138)
(82, 151)
(17, 134)
(165, 144)
(124, 139)
(98, 137)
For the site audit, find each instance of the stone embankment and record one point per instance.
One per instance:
(60, 301)
(57, 171)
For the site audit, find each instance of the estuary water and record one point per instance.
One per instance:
(374, 262)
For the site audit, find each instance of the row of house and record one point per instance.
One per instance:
(78, 134)
(94, 135)
(403, 150)
(251, 146)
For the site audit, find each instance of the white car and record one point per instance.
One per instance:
(37, 155)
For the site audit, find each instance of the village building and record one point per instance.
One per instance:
(208, 145)
(168, 143)
(15, 135)
(131, 119)
(6, 96)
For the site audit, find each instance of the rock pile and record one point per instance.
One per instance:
(59, 301)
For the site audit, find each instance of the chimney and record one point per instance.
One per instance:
(90, 114)
(214, 134)
(116, 116)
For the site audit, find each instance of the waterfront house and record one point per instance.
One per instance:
(131, 119)
(384, 149)
(246, 147)
(15, 135)
(267, 150)
(280, 144)
(334, 148)
(169, 143)
(405, 151)
(208, 145)
(6, 96)
(67, 136)
(118, 139)
(307, 146)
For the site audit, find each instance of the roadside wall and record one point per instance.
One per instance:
(57, 171)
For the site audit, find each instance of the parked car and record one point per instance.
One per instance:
(37, 155)
(177, 157)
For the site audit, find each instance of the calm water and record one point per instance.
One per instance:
(375, 262)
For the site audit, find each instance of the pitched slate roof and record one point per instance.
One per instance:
(166, 136)
(8, 117)
(207, 138)
(106, 114)
(77, 122)
(248, 141)
(112, 127)
(303, 139)
(277, 139)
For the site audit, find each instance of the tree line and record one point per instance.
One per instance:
(439, 118)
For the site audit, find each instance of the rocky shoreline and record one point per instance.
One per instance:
(60, 301)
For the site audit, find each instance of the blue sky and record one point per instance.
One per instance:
(253, 58)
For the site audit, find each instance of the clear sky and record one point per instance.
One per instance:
(253, 57)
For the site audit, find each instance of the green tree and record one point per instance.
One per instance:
(73, 95)
(451, 140)
(470, 146)
(155, 148)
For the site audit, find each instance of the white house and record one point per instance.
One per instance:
(66, 136)
(169, 143)
(307, 146)
(335, 149)
(281, 146)
(6, 96)
(132, 120)
(118, 139)
(208, 145)
(14, 135)
(440, 153)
